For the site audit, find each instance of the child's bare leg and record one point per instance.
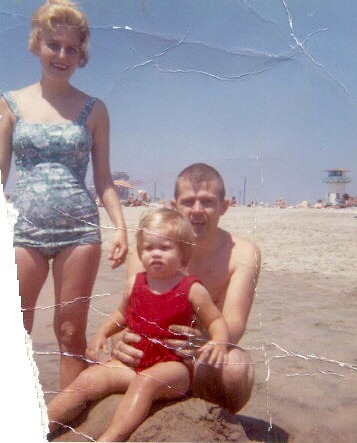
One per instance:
(168, 380)
(93, 383)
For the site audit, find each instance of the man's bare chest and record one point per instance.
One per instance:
(214, 277)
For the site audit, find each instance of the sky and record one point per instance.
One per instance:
(263, 90)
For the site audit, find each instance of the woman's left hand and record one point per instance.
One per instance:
(119, 248)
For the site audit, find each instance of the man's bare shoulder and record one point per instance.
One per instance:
(242, 249)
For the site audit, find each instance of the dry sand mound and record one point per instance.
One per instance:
(189, 420)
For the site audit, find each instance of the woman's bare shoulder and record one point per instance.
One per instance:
(27, 91)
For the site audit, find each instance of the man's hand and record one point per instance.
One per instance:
(186, 347)
(123, 349)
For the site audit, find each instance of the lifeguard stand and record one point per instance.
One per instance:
(336, 181)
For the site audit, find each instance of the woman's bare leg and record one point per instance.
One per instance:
(92, 384)
(74, 272)
(32, 271)
(168, 380)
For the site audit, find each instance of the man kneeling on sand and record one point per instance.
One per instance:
(228, 266)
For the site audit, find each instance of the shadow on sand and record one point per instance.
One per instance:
(260, 430)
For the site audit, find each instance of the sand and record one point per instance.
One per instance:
(301, 335)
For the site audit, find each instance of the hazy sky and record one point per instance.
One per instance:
(263, 89)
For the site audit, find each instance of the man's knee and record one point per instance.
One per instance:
(238, 380)
(230, 386)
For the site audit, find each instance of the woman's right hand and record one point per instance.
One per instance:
(123, 349)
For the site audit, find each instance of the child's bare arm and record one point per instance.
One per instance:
(214, 351)
(115, 323)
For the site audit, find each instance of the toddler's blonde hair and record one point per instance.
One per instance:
(178, 229)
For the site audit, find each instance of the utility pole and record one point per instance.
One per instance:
(244, 189)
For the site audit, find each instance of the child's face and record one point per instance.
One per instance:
(161, 257)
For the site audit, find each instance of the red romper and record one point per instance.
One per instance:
(150, 315)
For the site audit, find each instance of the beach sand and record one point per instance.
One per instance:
(301, 335)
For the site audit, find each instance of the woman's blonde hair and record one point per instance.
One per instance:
(60, 13)
(178, 229)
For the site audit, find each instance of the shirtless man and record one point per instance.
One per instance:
(229, 268)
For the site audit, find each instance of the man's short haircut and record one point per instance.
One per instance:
(178, 229)
(201, 173)
(60, 13)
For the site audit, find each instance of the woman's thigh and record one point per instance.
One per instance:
(74, 273)
(32, 271)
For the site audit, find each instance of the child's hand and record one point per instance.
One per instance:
(213, 354)
(98, 343)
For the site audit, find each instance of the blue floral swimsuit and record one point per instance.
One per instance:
(55, 208)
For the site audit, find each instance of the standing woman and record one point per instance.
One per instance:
(53, 128)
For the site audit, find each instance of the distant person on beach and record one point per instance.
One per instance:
(233, 201)
(228, 266)
(162, 295)
(53, 128)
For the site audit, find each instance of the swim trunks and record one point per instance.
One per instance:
(151, 315)
(55, 208)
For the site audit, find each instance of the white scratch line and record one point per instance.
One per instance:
(342, 364)
(73, 430)
(302, 48)
(65, 303)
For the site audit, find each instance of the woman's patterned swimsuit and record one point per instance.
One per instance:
(55, 207)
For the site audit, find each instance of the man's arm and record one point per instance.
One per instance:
(245, 265)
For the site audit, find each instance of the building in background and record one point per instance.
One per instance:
(336, 180)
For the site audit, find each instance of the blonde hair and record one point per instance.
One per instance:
(60, 13)
(178, 227)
